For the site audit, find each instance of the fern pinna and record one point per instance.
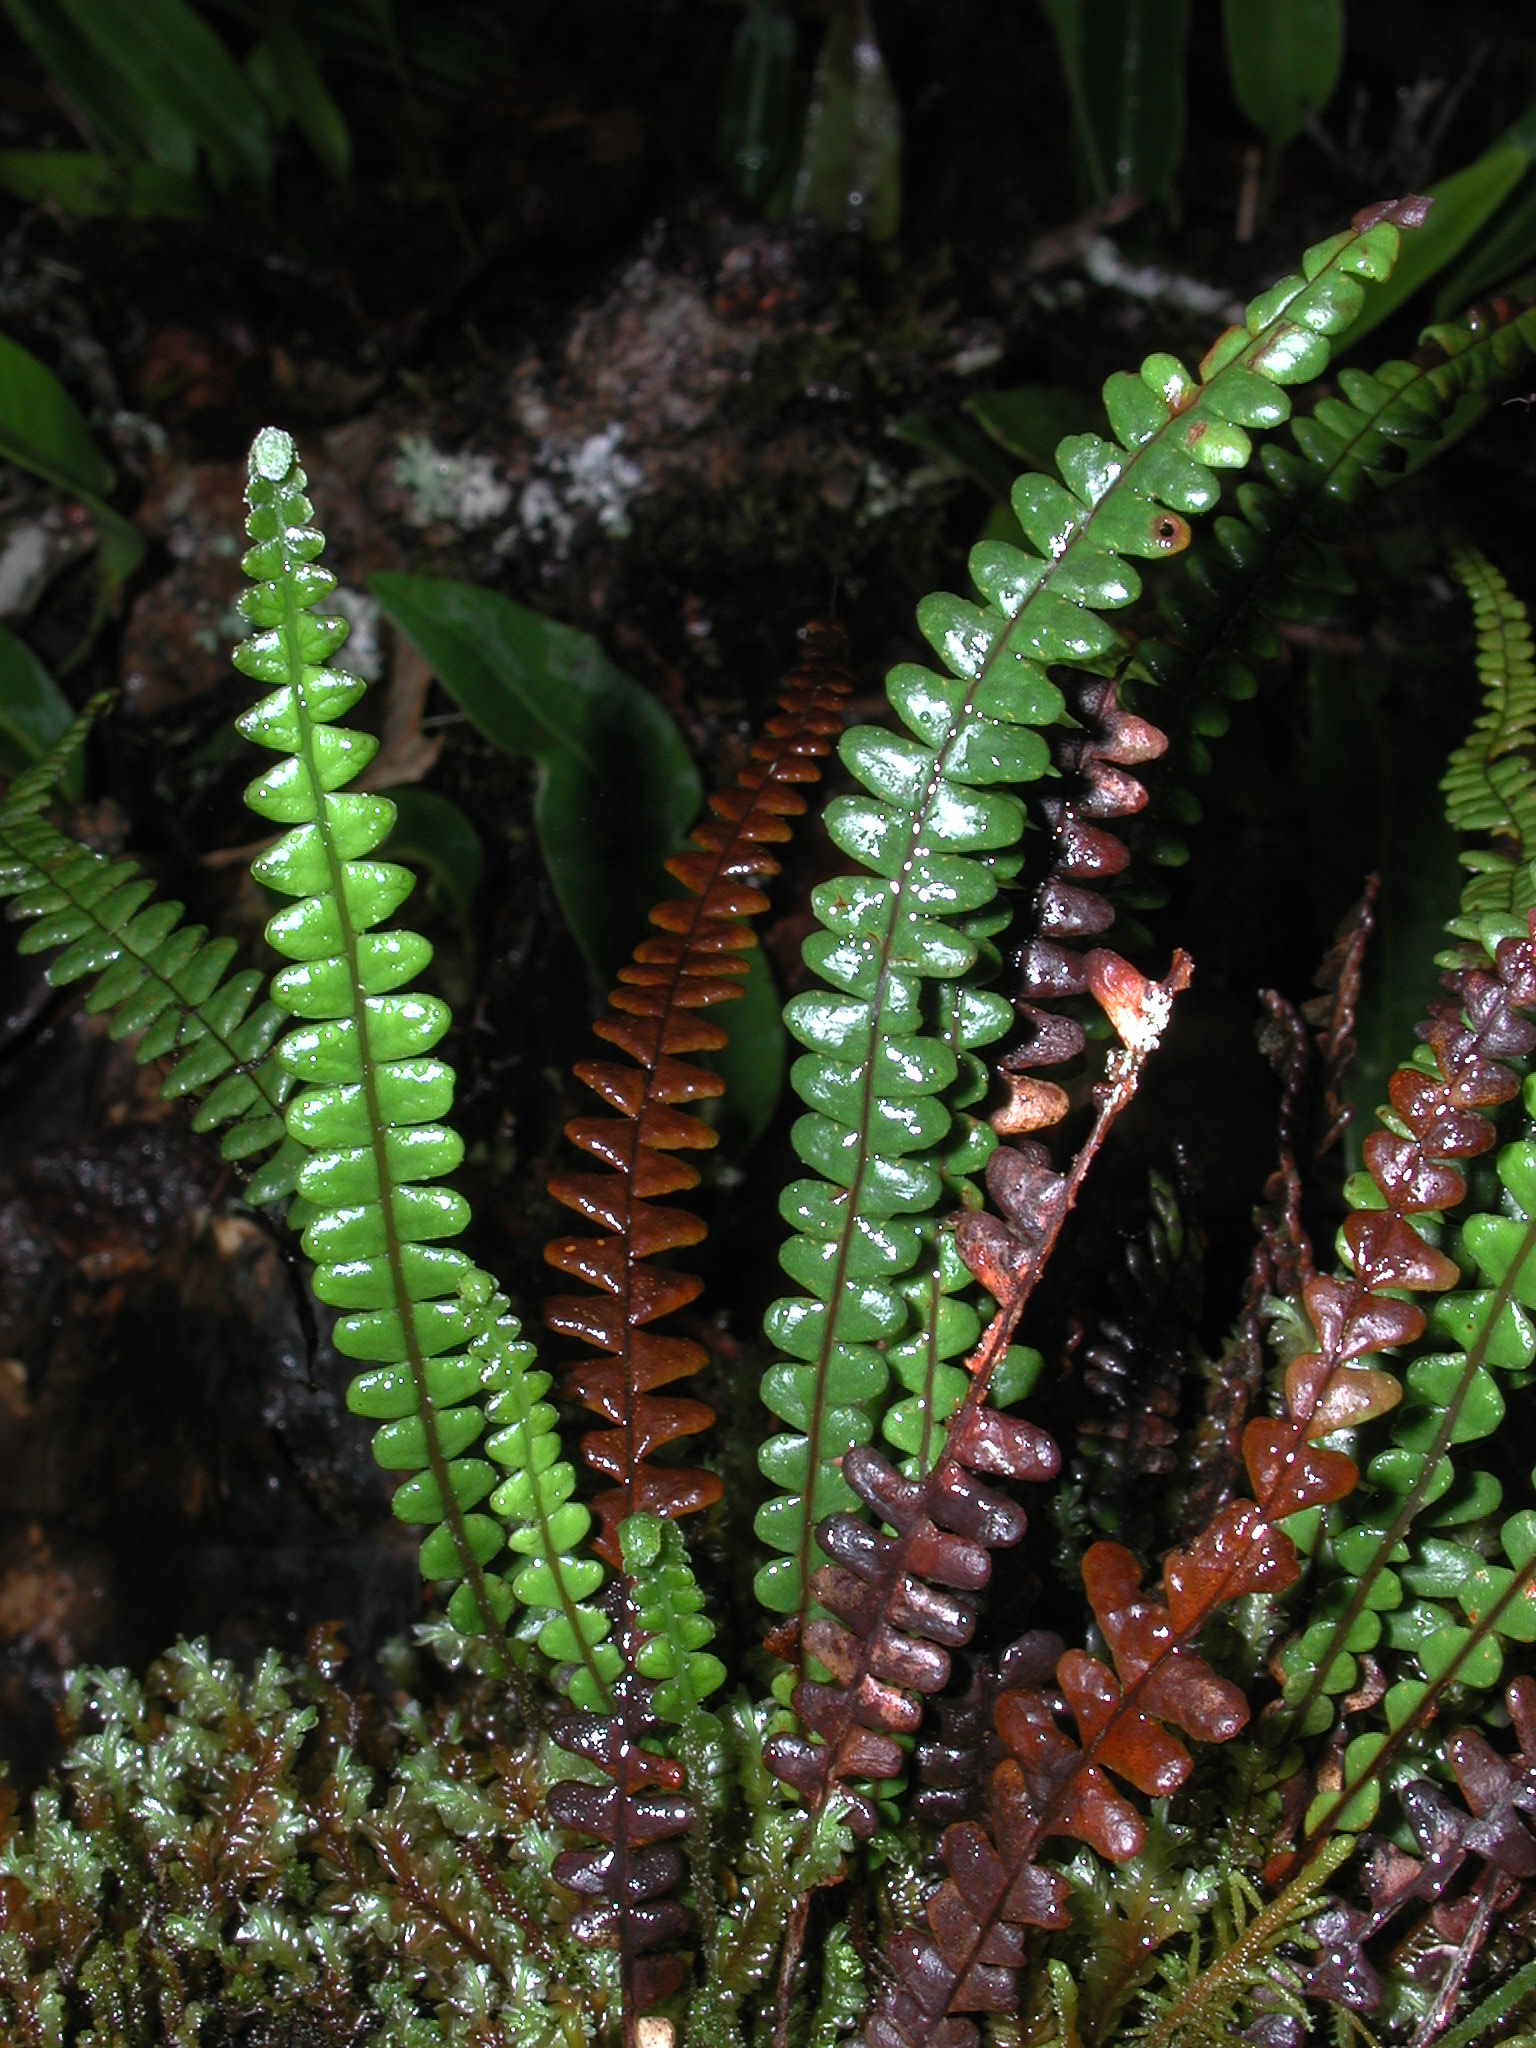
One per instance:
(696, 964)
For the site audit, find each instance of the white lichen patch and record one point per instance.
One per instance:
(25, 560)
(572, 481)
(1142, 1027)
(464, 490)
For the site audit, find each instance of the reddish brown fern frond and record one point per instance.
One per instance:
(1070, 908)
(694, 964)
(1439, 1122)
(1131, 1712)
(1130, 1716)
(635, 1817)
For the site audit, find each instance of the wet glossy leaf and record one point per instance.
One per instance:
(850, 161)
(1284, 58)
(1124, 67)
(617, 788)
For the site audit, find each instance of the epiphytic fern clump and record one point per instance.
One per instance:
(1145, 1822)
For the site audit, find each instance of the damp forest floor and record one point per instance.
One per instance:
(550, 351)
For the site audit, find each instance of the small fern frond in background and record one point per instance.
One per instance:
(159, 981)
(694, 964)
(1490, 781)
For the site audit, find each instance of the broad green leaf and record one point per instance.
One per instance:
(958, 442)
(1032, 420)
(1284, 58)
(752, 1063)
(283, 70)
(1124, 66)
(34, 712)
(80, 182)
(121, 117)
(1464, 204)
(850, 162)
(757, 104)
(617, 789)
(42, 428)
(169, 58)
(431, 832)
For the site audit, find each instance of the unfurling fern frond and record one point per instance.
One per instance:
(694, 965)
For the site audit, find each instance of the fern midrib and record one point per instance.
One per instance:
(1413, 1499)
(393, 1255)
(63, 846)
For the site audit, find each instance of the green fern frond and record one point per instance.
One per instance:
(159, 981)
(427, 1325)
(906, 944)
(545, 1526)
(1490, 782)
(667, 1609)
(1408, 1568)
(1279, 551)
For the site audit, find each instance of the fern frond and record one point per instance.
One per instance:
(1436, 1119)
(1244, 1976)
(898, 1604)
(427, 1325)
(1490, 781)
(694, 965)
(936, 828)
(1477, 1050)
(1278, 552)
(157, 980)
